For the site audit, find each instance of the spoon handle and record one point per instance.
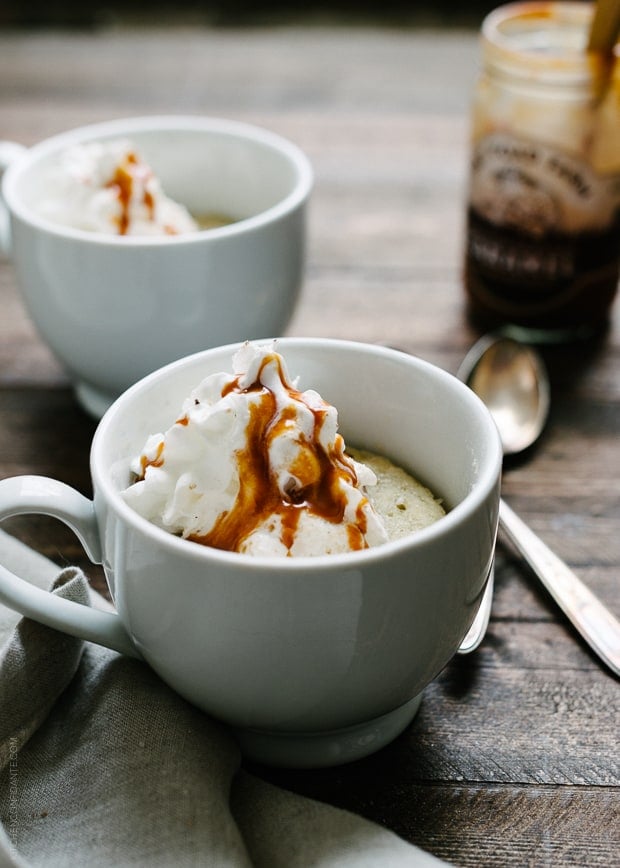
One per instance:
(597, 625)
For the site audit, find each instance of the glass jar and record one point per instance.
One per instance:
(543, 220)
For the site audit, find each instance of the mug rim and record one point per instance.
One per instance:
(155, 123)
(481, 491)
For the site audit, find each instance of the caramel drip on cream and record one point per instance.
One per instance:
(316, 481)
(123, 181)
(157, 461)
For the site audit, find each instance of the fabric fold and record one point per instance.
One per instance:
(33, 674)
(311, 834)
(123, 771)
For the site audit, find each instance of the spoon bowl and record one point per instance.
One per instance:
(511, 379)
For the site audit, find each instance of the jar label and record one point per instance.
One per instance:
(537, 189)
(543, 233)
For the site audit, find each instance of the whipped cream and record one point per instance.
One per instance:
(106, 187)
(253, 465)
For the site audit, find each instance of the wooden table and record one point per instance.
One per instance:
(513, 759)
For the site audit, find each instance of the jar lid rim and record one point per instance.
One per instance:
(548, 37)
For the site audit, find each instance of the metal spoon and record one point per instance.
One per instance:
(511, 379)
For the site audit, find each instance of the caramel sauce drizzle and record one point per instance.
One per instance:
(319, 474)
(123, 182)
(152, 462)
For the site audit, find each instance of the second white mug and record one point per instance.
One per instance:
(114, 308)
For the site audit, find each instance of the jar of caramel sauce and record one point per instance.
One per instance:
(543, 219)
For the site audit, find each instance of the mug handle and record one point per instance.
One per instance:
(38, 494)
(9, 151)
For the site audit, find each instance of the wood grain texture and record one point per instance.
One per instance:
(513, 759)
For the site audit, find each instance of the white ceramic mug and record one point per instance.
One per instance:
(313, 661)
(114, 308)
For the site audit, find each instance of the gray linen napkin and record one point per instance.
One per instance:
(101, 764)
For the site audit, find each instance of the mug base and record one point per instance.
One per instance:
(94, 401)
(312, 750)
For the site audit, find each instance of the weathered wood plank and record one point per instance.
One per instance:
(498, 827)
(324, 68)
(495, 826)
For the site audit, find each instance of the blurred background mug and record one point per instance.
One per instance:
(113, 308)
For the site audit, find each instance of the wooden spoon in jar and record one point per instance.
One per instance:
(605, 26)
